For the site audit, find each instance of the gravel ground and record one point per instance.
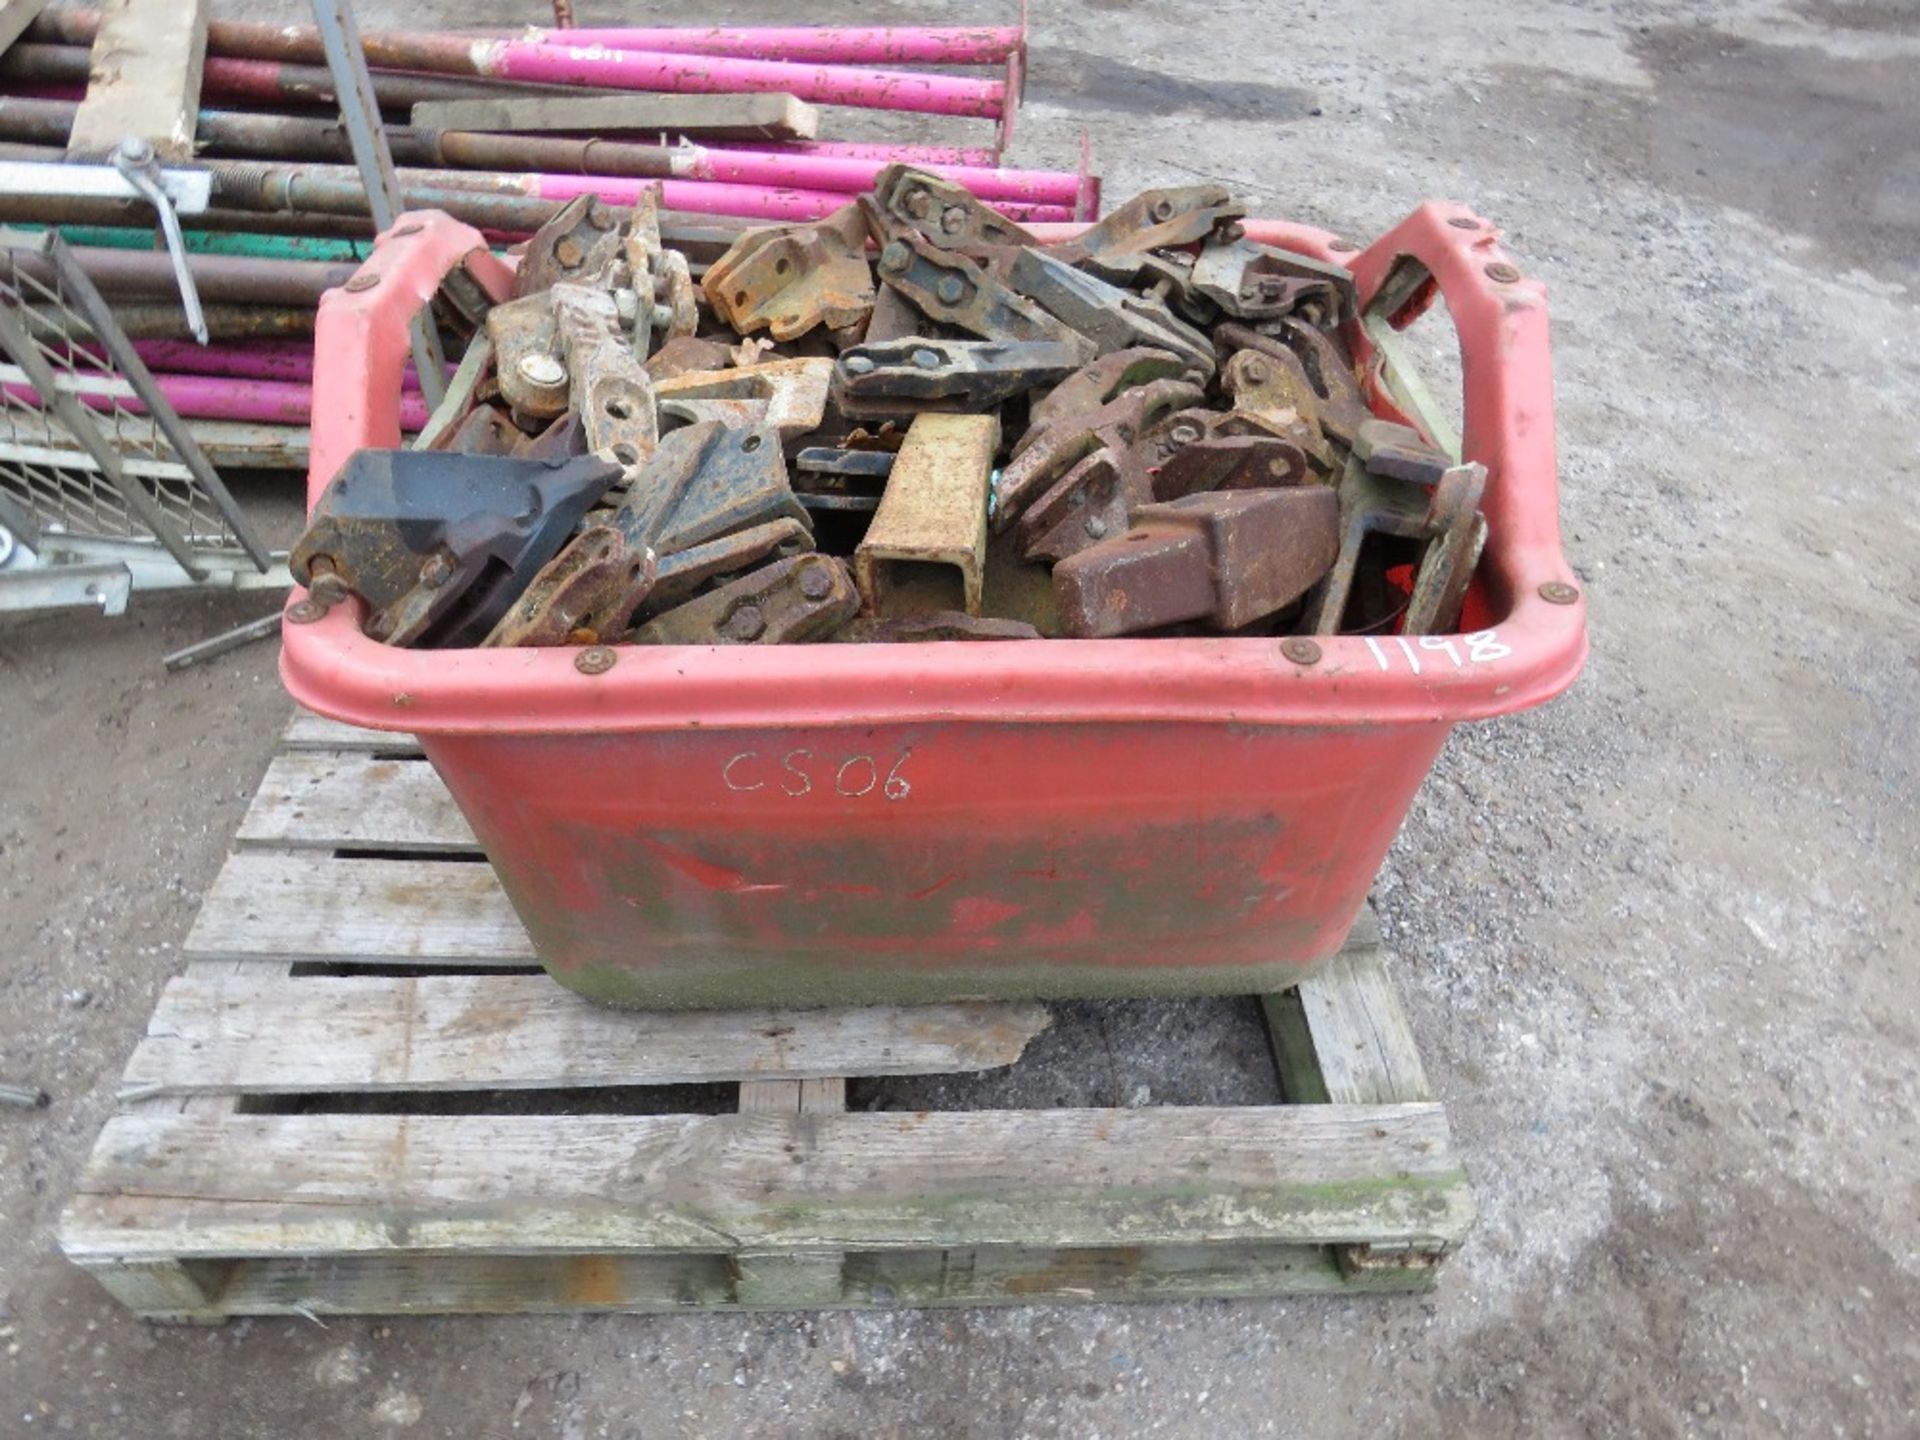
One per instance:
(1652, 937)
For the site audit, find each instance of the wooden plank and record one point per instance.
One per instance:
(308, 731)
(185, 1187)
(408, 1284)
(219, 1029)
(328, 801)
(15, 16)
(1361, 1038)
(783, 1279)
(370, 912)
(750, 117)
(164, 1289)
(145, 78)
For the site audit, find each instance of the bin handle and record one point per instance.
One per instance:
(1500, 319)
(360, 335)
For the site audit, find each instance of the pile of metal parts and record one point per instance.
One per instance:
(909, 420)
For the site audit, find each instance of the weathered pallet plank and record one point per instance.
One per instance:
(1361, 1039)
(407, 1284)
(768, 116)
(308, 731)
(319, 907)
(217, 1029)
(187, 1187)
(326, 801)
(787, 1278)
(145, 78)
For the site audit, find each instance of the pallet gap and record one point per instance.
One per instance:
(397, 970)
(438, 857)
(714, 1098)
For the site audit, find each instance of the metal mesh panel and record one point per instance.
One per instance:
(47, 470)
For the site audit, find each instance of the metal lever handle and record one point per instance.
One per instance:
(134, 159)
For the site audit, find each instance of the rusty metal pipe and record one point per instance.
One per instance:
(240, 279)
(265, 81)
(289, 137)
(168, 322)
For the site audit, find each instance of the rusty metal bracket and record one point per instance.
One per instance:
(1445, 519)
(1112, 318)
(438, 545)
(580, 244)
(684, 573)
(790, 601)
(791, 278)
(531, 376)
(1230, 558)
(901, 378)
(1120, 246)
(1250, 281)
(1103, 406)
(947, 214)
(953, 290)
(1275, 389)
(610, 390)
(934, 511)
(585, 594)
(705, 481)
(1342, 408)
(1399, 452)
(790, 395)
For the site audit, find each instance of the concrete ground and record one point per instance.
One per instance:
(1657, 939)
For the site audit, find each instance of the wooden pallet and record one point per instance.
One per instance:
(361, 1098)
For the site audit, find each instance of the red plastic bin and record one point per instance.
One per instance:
(710, 826)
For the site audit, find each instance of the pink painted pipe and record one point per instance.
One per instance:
(853, 150)
(915, 91)
(245, 360)
(854, 174)
(828, 44)
(774, 204)
(213, 397)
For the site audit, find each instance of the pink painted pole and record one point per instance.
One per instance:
(827, 44)
(213, 397)
(758, 203)
(853, 150)
(852, 174)
(915, 91)
(249, 360)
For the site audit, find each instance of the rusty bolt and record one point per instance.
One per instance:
(362, 281)
(1162, 210)
(926, 359)
(1300, 650)
(1096, 527)
(859, 364)
(745, 623)
(1343, 246)
(599, 216)
(815, 582)
(567, 251)
(435, 571)
(304, 612)
(919, 204)
(542, 370)
(951, 289)
(1502, 272)
(1464, 222)
(595, 659)
(953, 219)
(1185, 433)
(1254, 372)
(1558, 592)
(896, 257)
